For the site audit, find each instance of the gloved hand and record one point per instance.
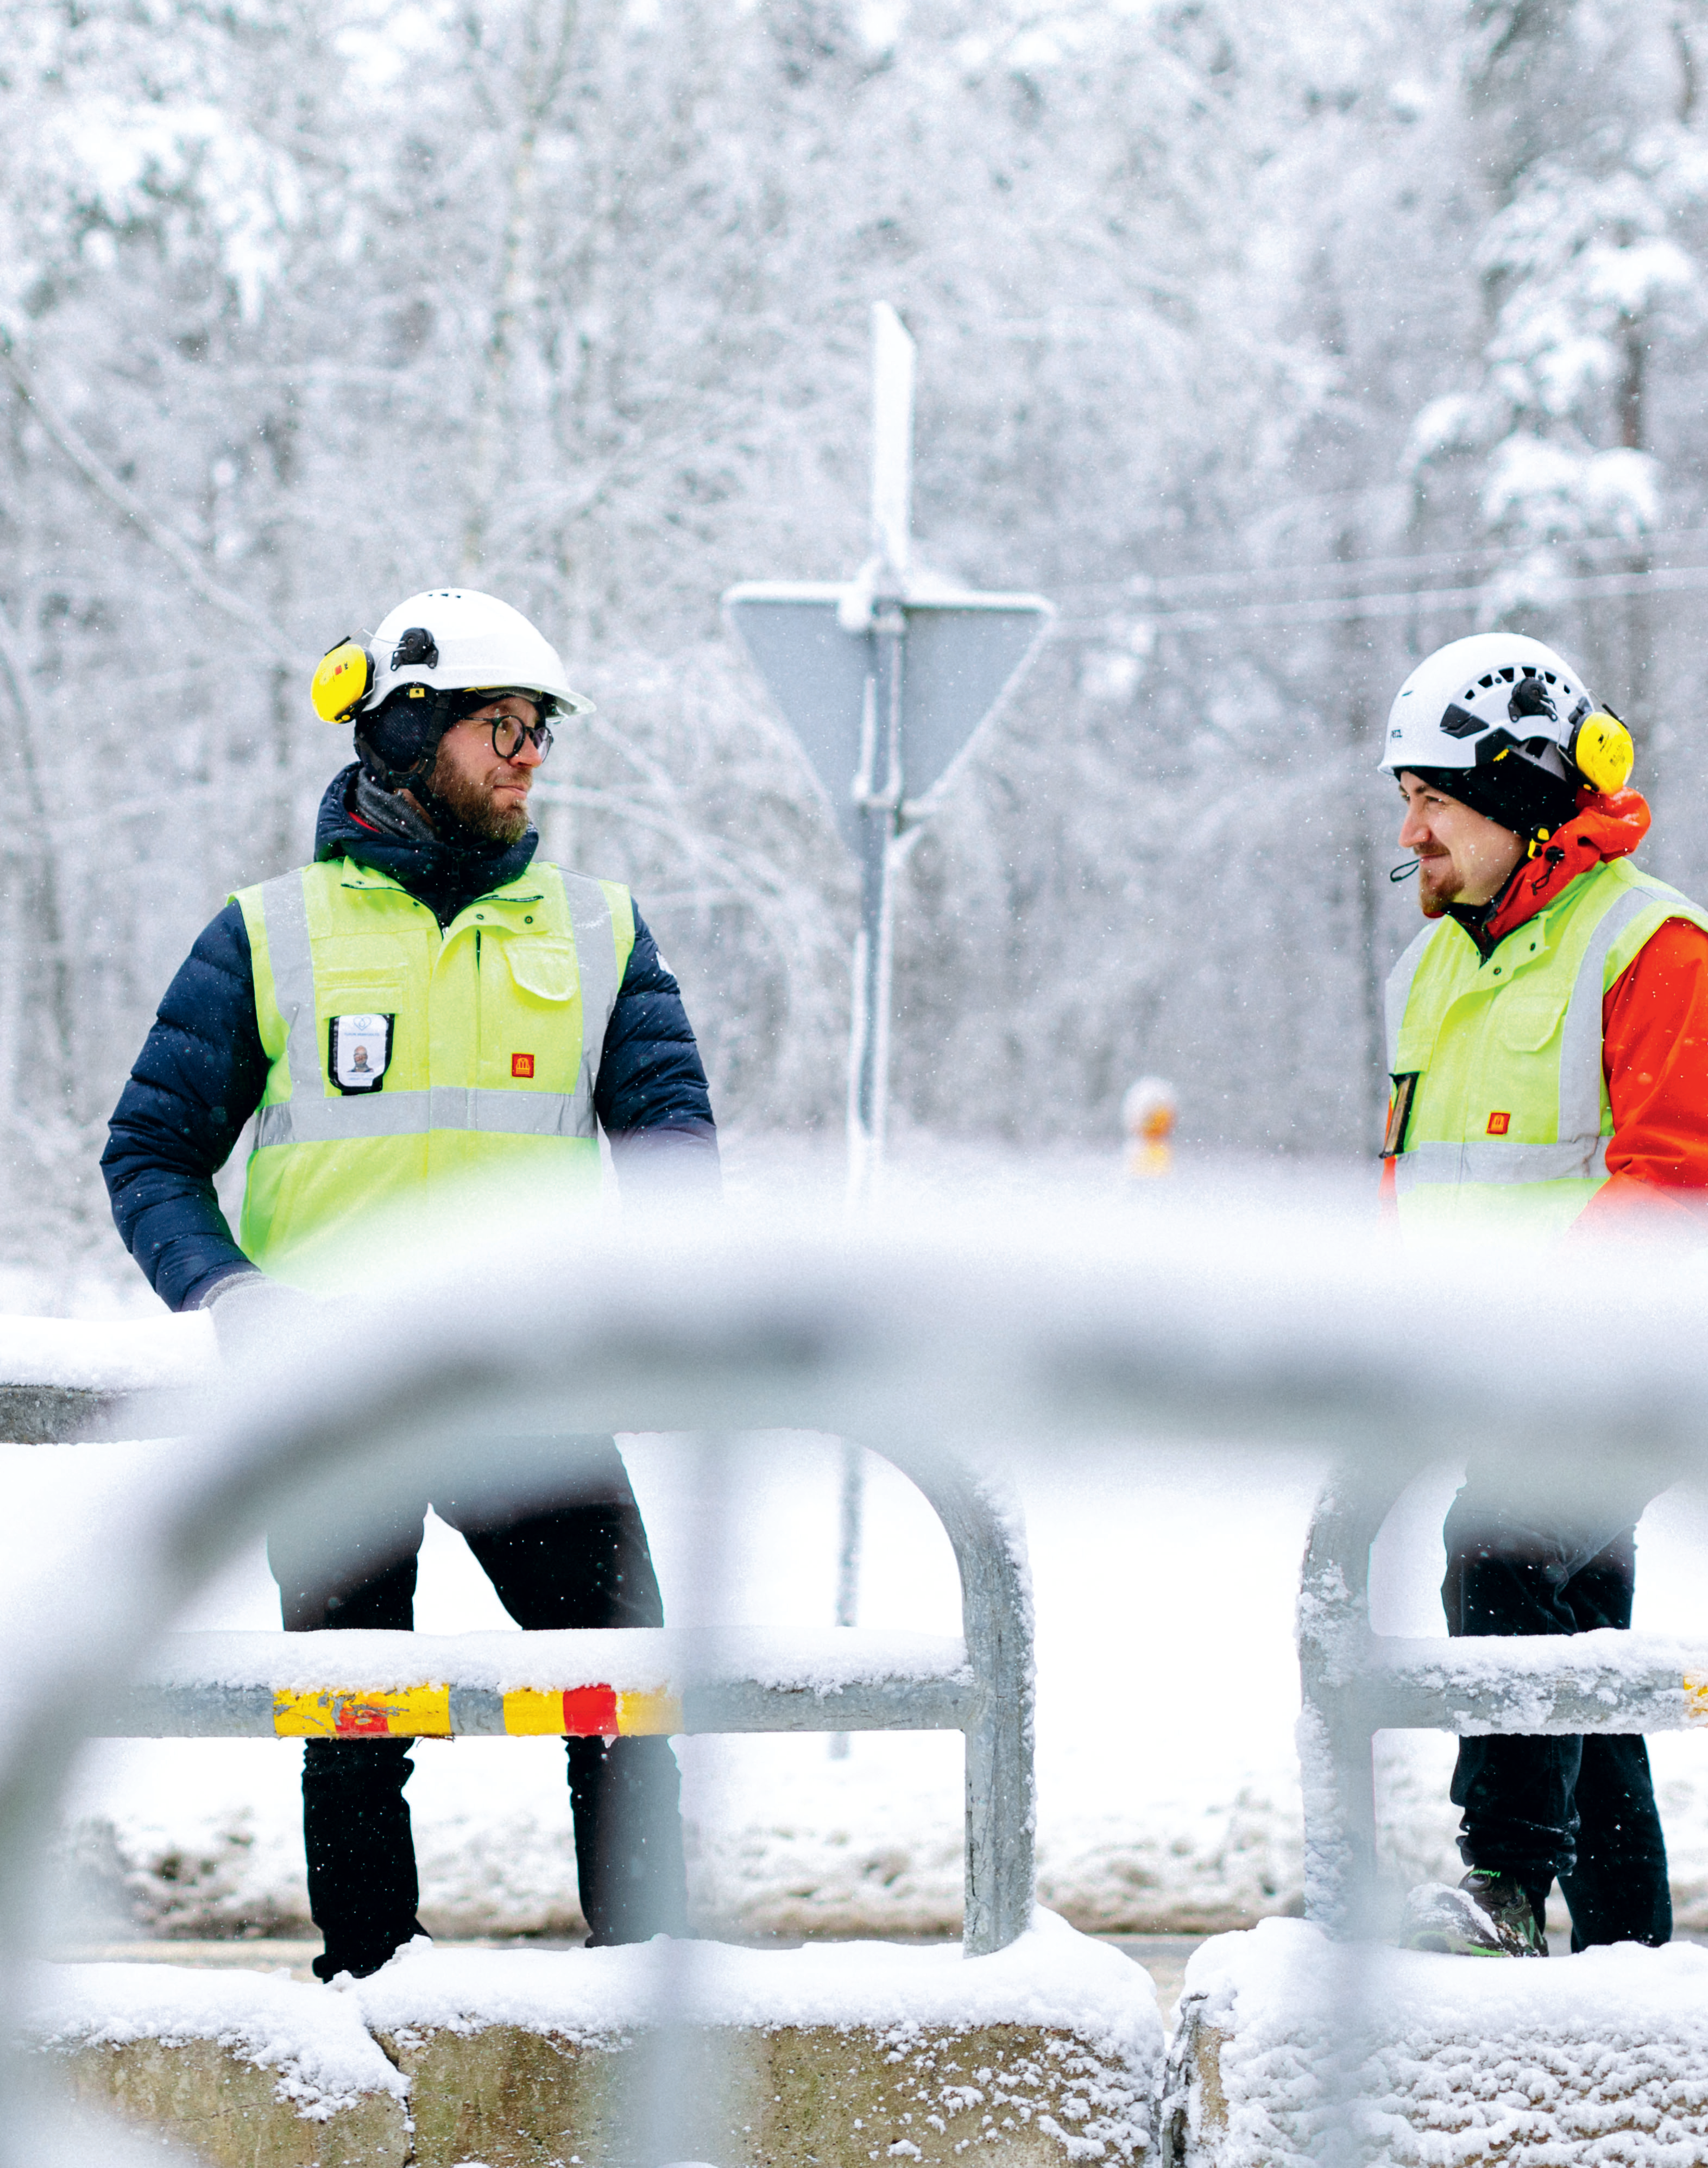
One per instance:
(252, 1313)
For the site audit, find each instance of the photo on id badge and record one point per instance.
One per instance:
(359, 1051)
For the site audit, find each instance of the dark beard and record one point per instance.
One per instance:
(472, 809)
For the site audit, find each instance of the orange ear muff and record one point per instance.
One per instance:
(1602, 751)
(341, 680)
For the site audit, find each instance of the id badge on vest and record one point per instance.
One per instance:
(358, 1051)
(1400, 1112)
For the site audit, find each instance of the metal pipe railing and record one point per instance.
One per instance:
(360, 1684)
(401, 1685)
(1355, 1682)
(933, 1346)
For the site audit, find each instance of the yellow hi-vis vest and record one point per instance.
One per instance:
(1500, 1096)
(408, 1065)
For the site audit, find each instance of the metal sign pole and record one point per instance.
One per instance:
(880, 802)
(879, 782)
(885, 679)
(850, 1525)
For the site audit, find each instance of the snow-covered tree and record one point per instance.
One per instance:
(1237, 325)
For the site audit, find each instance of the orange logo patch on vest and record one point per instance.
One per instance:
(1499, 1124)
(522, 1065)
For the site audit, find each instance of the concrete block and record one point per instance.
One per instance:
(1022, 2097)
(852, 2053)
(849, 2054)
(511, 2097)
(1293, 2049)
(247, 2069)
(1014, 2093)
(229, 2110)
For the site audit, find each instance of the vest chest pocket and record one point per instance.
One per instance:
(531, 1016)
(1528, 1017)
(543, 968)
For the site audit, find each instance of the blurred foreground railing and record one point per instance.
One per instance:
(1355, 1682)
(631, 1681)
(934, 1346)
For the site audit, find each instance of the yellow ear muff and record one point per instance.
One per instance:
(341, 678)
(1602, 751)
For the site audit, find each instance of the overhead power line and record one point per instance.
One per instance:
(1339, 571)
(1404, 603)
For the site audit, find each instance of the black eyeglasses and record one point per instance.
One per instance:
(509, 732)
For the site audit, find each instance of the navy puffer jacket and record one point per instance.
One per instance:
(202, 1069)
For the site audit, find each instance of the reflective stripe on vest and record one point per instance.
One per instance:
(485, 1069)
(309, 1116)
(1399, 991)
(1492, 1158)
(1547, 1181)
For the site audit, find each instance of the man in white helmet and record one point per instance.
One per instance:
(426, 1012)
(1548, 1043)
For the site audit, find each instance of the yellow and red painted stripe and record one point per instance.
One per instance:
(592, 1713)
(596, 1711)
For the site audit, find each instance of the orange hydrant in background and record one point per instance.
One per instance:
(1148, 1112)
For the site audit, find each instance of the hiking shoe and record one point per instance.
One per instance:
(1490, 1914)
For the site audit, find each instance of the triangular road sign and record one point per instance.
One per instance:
(963, 651)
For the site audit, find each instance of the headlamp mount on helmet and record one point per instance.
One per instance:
(418, 647)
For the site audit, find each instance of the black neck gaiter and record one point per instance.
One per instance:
(377, 828)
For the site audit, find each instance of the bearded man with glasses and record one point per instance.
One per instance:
(429, 1027)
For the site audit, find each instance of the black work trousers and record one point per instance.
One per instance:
(584, 1563)
(1582, 1810)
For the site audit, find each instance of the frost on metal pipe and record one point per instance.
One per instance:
(933, 1344)
(613, 1683)
(1356, 1683)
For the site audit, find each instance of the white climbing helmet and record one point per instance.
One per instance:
(448, 640)
(1507, 726)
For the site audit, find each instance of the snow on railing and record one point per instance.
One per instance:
(1356, 1683)
(620, 1683)
(65, 1377)
(933, 1346)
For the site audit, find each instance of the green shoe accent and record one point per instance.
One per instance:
(1489, 1914)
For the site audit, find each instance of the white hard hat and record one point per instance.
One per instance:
(450, 640)
(1507, 726)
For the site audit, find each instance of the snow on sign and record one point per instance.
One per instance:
(885, 679)
(964, 651)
